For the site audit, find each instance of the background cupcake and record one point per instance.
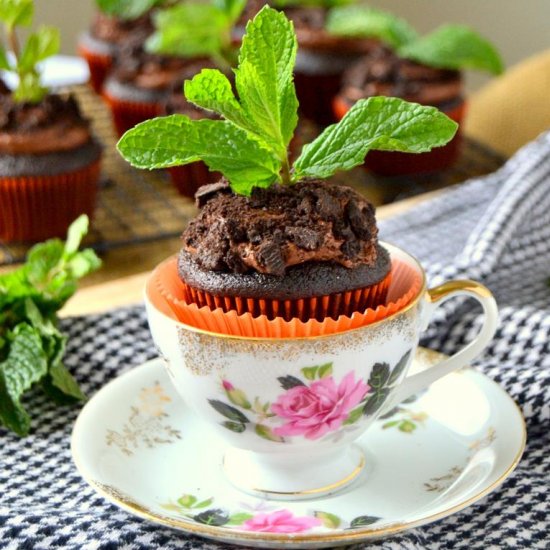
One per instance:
(426, 70)
(276, 240)
(115, 23)
(49, 160)
(198, 36)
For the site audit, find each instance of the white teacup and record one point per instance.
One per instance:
(290, 408)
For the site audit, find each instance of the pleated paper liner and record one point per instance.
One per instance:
(127, 114)
(166, 292)
(321, 307)
(34, 208)
(99, 65)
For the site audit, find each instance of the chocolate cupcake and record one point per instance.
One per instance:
(308, 251)
(276, 239)
(141, 82)
(49, 166)
(107, 34)
(384, 73)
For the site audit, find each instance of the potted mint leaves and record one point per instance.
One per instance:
(115, 22)
(424, 69)
(249, 146)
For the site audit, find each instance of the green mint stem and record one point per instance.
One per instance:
(285, 172)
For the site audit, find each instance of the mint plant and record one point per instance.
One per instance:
(250, 146)
(197, 29)
(24, 61)
(127, 9)
(31, 345)
(447, 47)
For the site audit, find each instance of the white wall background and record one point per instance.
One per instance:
(520, 28)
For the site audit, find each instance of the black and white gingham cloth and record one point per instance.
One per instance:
(495, 229)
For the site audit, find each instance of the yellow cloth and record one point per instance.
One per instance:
(513, 108)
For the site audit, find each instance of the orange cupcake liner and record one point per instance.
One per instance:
(99, 65)
(34, 208)
(166, 292)
(127, 114)
(187, 179)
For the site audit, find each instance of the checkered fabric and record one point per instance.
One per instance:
(494, 229)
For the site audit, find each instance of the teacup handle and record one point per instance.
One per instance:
(434, 298)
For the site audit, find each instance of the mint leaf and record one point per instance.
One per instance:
(31, 345)
(190, 30)
(310, 3)
(16, 13)
(40, 45)
(222, 146)
(454, 47)
(233, 8)
(382, 123)
(264, 79)
(211, 90)
(126, 9)
(4, 62)
(365, 22)
(25, 365)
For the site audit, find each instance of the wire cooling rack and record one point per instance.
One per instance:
(138, 206)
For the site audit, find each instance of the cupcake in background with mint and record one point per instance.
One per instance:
(115, 23)
(423, 69)
(188, 38)
(49, 158)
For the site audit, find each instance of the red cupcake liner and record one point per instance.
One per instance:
(34, 208)
(187, 179)
(165, 292)
(386, 163)
(99, 65)
(127, 114)
(315, 94)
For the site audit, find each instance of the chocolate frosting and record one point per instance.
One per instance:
(135, 66)
(382, 72)
(117, 31)
(280, 227)
(54, 124)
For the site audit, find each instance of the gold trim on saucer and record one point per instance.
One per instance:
(318, 490)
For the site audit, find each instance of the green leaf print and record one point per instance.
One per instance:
(228, 411)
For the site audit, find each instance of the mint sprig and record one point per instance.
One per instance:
(250, 147)
(447, 47)
(31, 345)
(127, 9)
(40, 45)
(384, 124)
(366, 22)
(195, 29)
(454, 47)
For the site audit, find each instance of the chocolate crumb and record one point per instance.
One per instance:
(279, 227)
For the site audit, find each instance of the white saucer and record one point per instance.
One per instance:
(138, 445)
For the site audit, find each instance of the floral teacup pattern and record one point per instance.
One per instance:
(312, 406)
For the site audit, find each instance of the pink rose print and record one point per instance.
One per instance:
(317, 409)
(281, 521)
